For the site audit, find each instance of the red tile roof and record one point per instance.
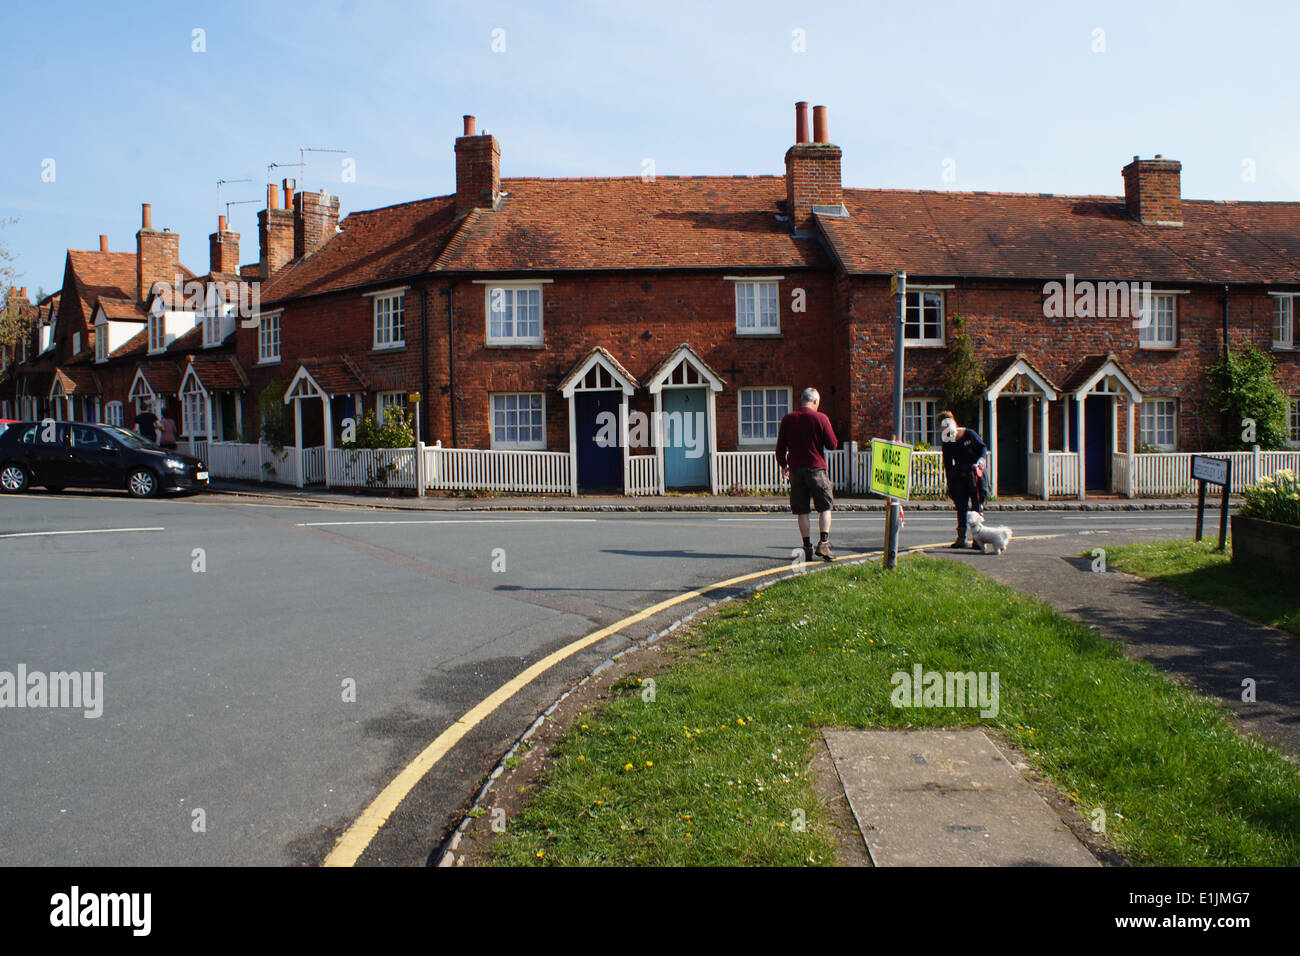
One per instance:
(77, 381)
(122, 309)
(696, 222)
(337, 375)
(374, 246)
(1023, 236)
(219, 373)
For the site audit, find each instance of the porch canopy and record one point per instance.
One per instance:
(69, 384)
(154, 382)
(684, 368)
(323, 378)
(204, 378)
(1016, 377)
(597, 371)
(1100, 375)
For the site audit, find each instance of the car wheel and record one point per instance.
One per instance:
(143, 483)
(13, 478)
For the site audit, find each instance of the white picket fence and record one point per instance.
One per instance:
(371, 468)
(643, 475)
(1159, 474)
(1062, 474)
(474, 469)
(246, 461)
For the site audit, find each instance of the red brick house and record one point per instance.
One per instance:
(526, 312)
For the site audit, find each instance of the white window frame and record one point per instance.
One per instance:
(1149, 336)
(1293, 421)
(499, 292)
(114, 414)
(157, 332)
(268, 327)
(763, 441)
(199, 398)
(101, 342)
(392, 305)
(1153, 405)
(532, 444)
(921, 292)
(383, 400)
(928, 419)
(1284, 320)
(751, 298)
(76, 343)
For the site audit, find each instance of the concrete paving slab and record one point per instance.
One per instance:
(947, 798)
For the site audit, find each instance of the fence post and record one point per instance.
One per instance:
(261, 462)
(419, 468)
(1257, 463)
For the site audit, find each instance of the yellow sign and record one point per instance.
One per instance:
(891, 468)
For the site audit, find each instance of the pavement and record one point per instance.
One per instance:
(947, 798)
(1208, 647)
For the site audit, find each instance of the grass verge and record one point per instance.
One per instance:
(1198, 571)
(708, 767)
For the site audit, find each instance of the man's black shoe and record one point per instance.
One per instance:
(959, 543)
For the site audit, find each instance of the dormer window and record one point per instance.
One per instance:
(76, 343)
(157, 331)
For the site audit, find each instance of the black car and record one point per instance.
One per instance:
(59, 455)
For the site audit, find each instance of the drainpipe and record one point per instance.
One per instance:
(451, 361)
(1226, 425)
(424, 360)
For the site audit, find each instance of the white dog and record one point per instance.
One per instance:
(985, 536)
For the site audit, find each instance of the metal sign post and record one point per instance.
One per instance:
(898, 288)
(1213, 471)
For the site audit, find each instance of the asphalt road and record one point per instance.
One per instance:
(224, 688)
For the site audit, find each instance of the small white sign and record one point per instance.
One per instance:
(1213, 470)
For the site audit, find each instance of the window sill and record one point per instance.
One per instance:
(274, 361)
(924, 344)
(535, 346)
(518, 448)
(1158, 348)
(761, 335)
(379, 349)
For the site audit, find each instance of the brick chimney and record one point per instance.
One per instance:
(478, 170)
(1153, 191)
(274, 234)
(223, 249)
(157, 255)
(315, 220)
(812, 171)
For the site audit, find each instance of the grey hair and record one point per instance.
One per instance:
(809, 395)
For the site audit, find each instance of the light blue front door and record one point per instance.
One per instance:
(686, 437)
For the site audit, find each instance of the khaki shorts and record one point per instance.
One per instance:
(810, 483)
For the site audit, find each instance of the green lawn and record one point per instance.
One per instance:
(712, 771)
(1197, 570)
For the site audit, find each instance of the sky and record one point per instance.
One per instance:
(107, 106)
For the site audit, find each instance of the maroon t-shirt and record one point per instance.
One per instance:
(801, 438)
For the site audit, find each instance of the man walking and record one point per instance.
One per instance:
(799, 443)
(963, 467)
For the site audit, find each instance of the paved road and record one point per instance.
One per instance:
(224, 689)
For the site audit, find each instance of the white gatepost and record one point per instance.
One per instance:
(1132, 459)
(992, 445)
(1042, 443)
(1079, 421)
(297, 435)
(657, 436)
(622, 438)
(573, 447)
(419, 467)
(713, 442)
(327, 407)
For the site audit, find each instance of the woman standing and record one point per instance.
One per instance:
(963, 466)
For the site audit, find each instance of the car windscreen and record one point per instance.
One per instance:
(131, 439)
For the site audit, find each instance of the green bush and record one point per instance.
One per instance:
(1245, 386)
(274, 419)
(395, 432)
(1273, 499)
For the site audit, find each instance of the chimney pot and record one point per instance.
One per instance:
(820, 132)
(146, 216)
(103, 243)
(272, 196)
(801, 122)
(289, 186)
(469, 125)
(221, 224)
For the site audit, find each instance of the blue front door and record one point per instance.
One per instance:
(686, 438)
(600, 461)
(1096, 441)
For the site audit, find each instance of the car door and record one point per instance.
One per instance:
(94, 459)
(46, 447)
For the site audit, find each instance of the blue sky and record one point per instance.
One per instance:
(986, 94)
